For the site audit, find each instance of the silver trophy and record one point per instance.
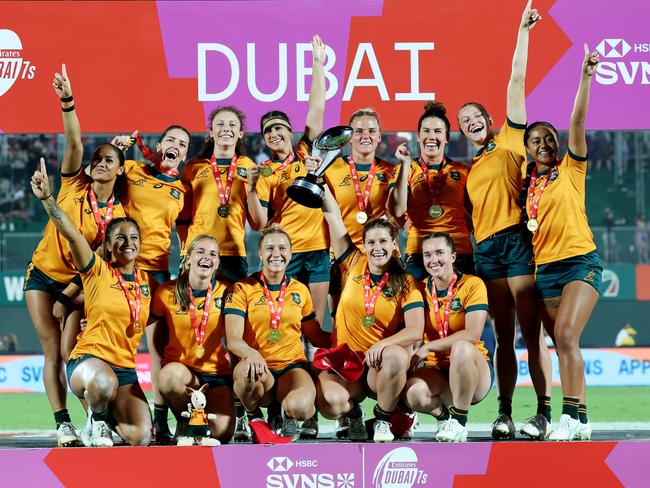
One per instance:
(305, 190)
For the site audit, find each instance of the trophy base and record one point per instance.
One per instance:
(306, 193)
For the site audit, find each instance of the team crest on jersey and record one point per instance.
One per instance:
(347, 181)
(381, 177)
(228, 298)
(139, 182)
(144, 289)
(284, 176)
(295, 297)
(554, 175)
(241, 172)
(455, 304)
(175, 194)
(388, 292)
(261, 301)
(218, 303)
(78, 200)
(204, 173)
(454, 175)
(490, 146)
(591, 275)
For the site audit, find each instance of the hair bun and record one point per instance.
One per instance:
(436, 108)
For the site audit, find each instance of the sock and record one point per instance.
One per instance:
(356, 412)
(570, 407)
(404, 407)
(505, 405)
(458, 414)
(240, 411)
(582, 413)
(61, 416)
(381, 414)
(445, 415)
(273, 410)
(255, 414)
(160, 413)
(544, 406)
(100, 417)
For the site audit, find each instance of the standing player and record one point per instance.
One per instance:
(216, 200)
(432, 192)
(187, 313)
(101, 368)
(457, 369)
(503, 253)
(383, 326)
(266, 315)
(568, 274)
(92, 203)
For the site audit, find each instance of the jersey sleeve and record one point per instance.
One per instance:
(308, 311)
(73, 182)
(235, 303)
(303, 148)
(413, 296)
(348, 259)
(476, 295)
(158, 302)
(512, 136)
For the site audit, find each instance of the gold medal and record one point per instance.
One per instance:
(435, 211)
(266, 170)
(223, 211)
(368, 320)
(362, 217)
(275, 335)
(136, 327)
(532, 225)
(199, 351)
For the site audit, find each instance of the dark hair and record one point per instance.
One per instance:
(120, 180)
(365, 112)
(208, 146)
(530, 128)
(182, 290)
(441, 235)
(273, 114)
(397, 279)
(178, 127)
(109, 230)
(480, 108)
(272, 229)
(437, 110)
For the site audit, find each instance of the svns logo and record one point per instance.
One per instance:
(12, 64)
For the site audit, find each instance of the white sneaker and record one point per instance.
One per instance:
(101, 435)
(242, 430)
(584, 432)
(452, 431)
(66, 435)
(441, 424)
(537, 427)
(382, 432)
(357, 430)
(342, 428)
(86, 431)
(567, 429)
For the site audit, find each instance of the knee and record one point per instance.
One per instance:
(565, 338)
(394, 360)
(417, 395)
(103, 386)
(461, 352)
(173, 377)
(137, 435)
(333, 403)
(299, 407)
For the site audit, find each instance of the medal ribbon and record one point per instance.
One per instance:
(533, 202)
(287, 161)
(275, 312)
(199, 329)
(435, 183)
(362, 202)
(134, 307)
(102, 222)
(443, 325)
(368, 301)
(224, 194)
(155, 158)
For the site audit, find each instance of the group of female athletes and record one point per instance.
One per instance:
(499, 235)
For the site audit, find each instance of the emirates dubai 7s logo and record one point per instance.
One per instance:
(12, 64)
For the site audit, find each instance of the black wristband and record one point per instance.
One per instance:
(69, 109)
(67, 99)
(64, 300)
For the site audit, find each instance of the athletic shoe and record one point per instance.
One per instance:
(101, 435)
(66, 435)
(242, 430)
(536, 427)
(161, 433)
(342, 428)
(567, 430)
(452, 431)
(86, 431)
(309, 428)
(289, 428)
(584, 432)
(381, 432)
(184, 440)
(441, 424)
(503, 428)
(357, 430)
(275, 423)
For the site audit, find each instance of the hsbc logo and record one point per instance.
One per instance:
(613, 48)
(12, 64)
(304, 473)
(280, 464)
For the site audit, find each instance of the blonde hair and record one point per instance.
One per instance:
(182, 290)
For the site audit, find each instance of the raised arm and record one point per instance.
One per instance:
(316, 112)
(398, 195)
(74, 149)
(516, 95)
(81, 251)
(577, 137)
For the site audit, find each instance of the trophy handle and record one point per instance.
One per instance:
(327, 161)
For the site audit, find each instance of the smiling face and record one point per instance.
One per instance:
(278, 138)
(105, 165)
(475, 124)
(203, 258)
(366, 135)
(432, 138)
(542, 145)
(173, 146)
(275, 252)
(226, 129)
(379, 246)
(438, 258)
(124, 243)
